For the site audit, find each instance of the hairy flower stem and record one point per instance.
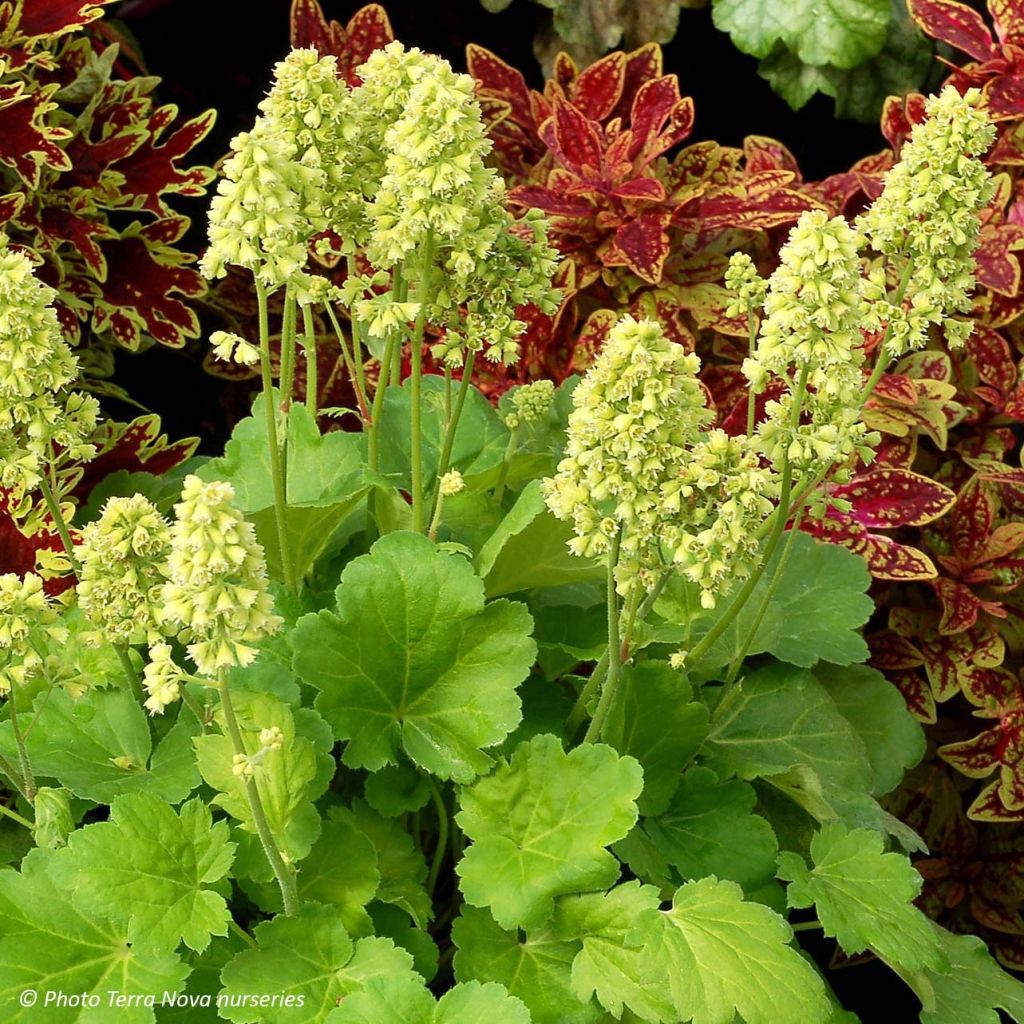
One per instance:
(442, 836)
(53, 506)
(416, 401)
(400, 289)
(444, 462)
(751, 348)
(288, 330)
(773, 586)
(130, 675)
(357, 345)
(611, 682)
(284, 875)
(779, 520)
(353, 364)
(506, 462)
(373, 434)
(15, 816)
(276, 468)
(8, 769)
(309, 345)
(579, 709)
(28, 778)
(242, 933)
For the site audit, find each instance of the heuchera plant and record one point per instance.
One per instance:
(529, 713)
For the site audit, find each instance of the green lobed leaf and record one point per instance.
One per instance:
(400, 864)
(864, 897)
(814, 615)
(718, 956)
(893, 738)
(391, 922)
(152, 867)
(308, 962)
(413, 660)
(396, 789)
(711, 829)
(972, 991)
(197, 1004)
(540, 825)
(529, 549)
(100, 747)
(535, 967)
(48, 944)
(844, 33)
(612, 965)
(326, 481)
(655, 720)
(404, 1000)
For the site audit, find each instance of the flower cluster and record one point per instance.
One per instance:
(24, 608)
(810, 338)
(529, 403)
(635, 415)
(742, 278)
(123, 556)
(715, 503)
(217, 587)
(162, 679)
(39, 417)
(926, 222)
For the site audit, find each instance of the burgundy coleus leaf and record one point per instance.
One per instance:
(642, 244)
(27, 142)
(660, 119)
(955, 24)
(899, 117)
(766, 154)
(887, 498)
(997, 371)
(55, 17)
(58, 225)
(151, 171)
(1008, 17)
(1004, 97)
(134, 447)
(763, 201)
(574, 139)
(598, 88)
(996, 265)
(20, 545)
(145, 278)
(367, 30)
(642, 65)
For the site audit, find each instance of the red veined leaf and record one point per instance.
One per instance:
(955, 24)
(598, 88)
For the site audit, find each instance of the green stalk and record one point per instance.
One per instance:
(353, 365)
(28, 779)
(779, 520)
(11, 772)
(400, 290)
(288, 330)
(373, 437)
(15, 816)
(130, 675)
(276, 467)
(416, 401)
(773, 586)
(444, 462)
(284, 875)
(53, 505)
(611, 683)
(309, 344)
(751, 347)
(506, 462)
(357, 345)
(442, 836)
(242, 933)
(882, 362)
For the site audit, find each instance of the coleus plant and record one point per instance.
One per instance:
(91, 167)
(537, 713)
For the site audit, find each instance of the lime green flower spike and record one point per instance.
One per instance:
(635, 415)
(926, 222)
(123, 557)
(38, 412)
(217, 588)
(24, 609)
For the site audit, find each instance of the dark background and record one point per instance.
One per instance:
(219, 53)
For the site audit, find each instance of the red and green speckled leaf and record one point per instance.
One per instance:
(993, 360)
(55, 17)
(960, 605)
(760, 203)
(1004, 97)
(973, 518)
(660, 119)
(140, 293)
(58, 224)
(899, 115)
(367, 30)
(1008, 17)
(642, 65)
(598, 88)
(997, 266)
(989, 806)
(642, 244)
(574, 139)
(765, 154)
(886, 498)
(27, 142)
(955, 24)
